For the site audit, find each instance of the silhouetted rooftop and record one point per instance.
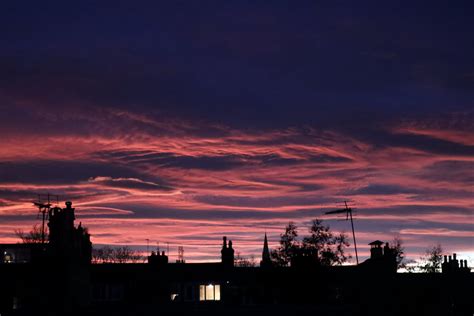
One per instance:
(375, 243)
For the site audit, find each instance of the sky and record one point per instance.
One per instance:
(184, 121)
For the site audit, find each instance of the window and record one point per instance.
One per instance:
(7, 257)
(210, 292)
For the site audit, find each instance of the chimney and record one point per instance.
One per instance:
(376, 250)
(227, 254)
(445, 259)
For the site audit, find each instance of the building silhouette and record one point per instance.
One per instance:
(67, 242)
(453, 265)
(57, 278)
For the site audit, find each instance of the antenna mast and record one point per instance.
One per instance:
(348, 211)
(180, 254)
(44, 204)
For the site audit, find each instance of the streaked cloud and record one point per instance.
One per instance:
(236, 120)
(173, 180)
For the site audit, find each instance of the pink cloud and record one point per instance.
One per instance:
(285, 173)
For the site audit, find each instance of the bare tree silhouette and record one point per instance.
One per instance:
(432, 259)
(399, 252)
(34, 236)
(109, 254)
(241, 261)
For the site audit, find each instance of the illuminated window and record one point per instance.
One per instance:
(210, 292)
(7, 257)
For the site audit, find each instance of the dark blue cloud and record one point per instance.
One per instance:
(123, 71)
(385, 189)
(416, 210)
(60, 172)
(224, 162)
(450, 171)
(242, 62)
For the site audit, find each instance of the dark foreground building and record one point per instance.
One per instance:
(57, 278)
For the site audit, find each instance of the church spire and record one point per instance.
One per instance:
(266, 260)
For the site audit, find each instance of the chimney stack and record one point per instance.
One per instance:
(227, 253)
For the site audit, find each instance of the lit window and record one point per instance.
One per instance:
(210, 292)
(7, 257)
(202, 292)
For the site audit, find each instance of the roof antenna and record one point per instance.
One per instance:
(348, 211)
(44, 204)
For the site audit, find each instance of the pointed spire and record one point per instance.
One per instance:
(266, 260)
(265, 246)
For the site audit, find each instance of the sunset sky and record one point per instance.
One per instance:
(184, 121)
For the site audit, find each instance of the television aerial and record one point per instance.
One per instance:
(44, 204)
(348, 211)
